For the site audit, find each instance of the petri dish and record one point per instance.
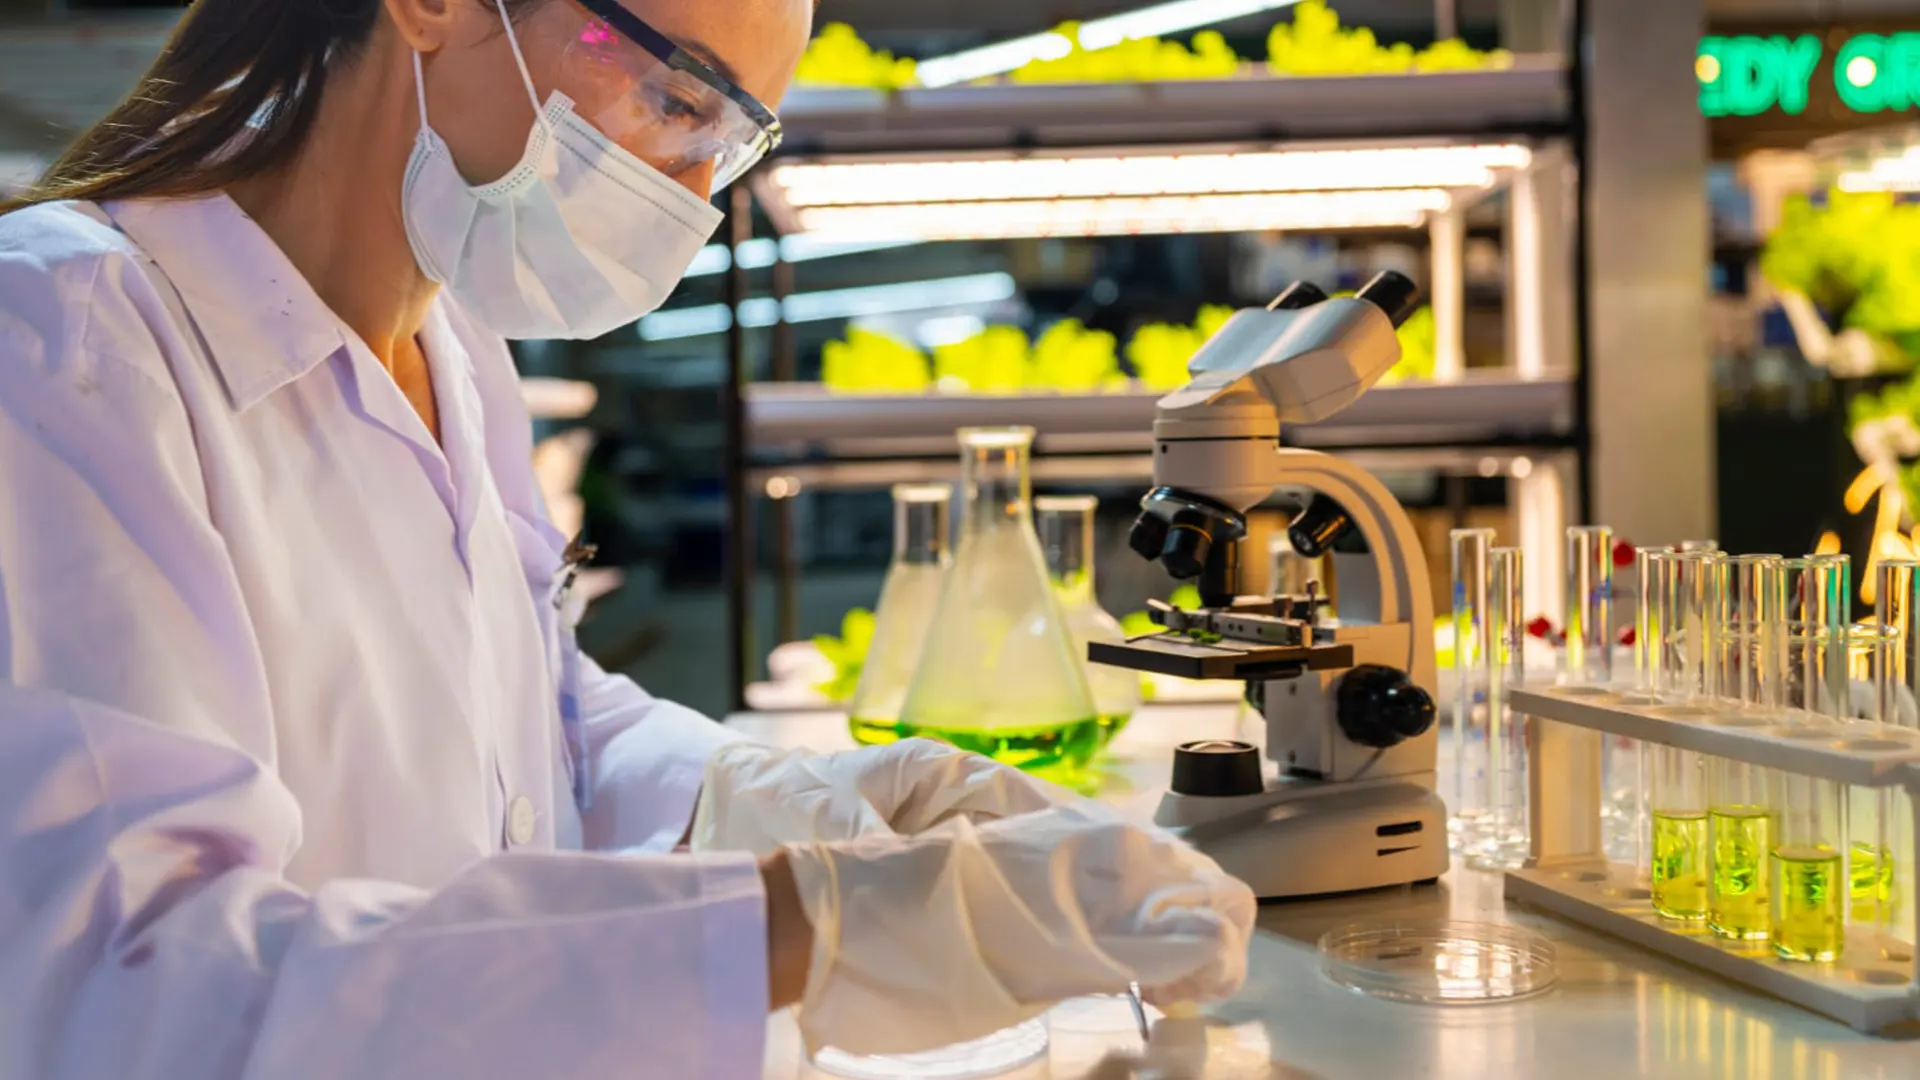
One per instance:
(1000, 1052)
(1439, 962)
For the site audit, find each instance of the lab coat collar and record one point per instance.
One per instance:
(264, 325)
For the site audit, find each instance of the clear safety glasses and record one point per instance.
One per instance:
(660, 102)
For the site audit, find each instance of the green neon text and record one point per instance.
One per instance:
(1746, 76)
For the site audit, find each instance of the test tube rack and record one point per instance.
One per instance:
(1874, 985)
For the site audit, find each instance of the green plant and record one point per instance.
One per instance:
(1159, 351)
(847, 653)
(867, 362)
(838, 57)
(1315, 43)
(1857, 258)
(1139, 60)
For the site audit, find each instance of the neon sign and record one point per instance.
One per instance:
(1751, 74)
(1747, 76)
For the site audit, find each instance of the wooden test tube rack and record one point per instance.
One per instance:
(1874, 985)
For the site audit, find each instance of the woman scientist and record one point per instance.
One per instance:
(301, 774)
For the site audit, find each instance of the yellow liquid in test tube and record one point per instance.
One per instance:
(1680, 865)
(1809, 903)
(1870, 876)
(1737, 892)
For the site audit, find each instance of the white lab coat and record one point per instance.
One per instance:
(283, 791)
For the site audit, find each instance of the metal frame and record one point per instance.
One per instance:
(959, 120)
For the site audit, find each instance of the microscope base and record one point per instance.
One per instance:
(1308, 838)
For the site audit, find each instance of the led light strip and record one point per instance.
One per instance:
(1002, 57)
(1402, 208)
(931, 295)
(849, 184)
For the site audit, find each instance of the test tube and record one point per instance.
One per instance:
(1818, 590)
(1646, 625)
(1680, 846)
(1888, 884)
(1588, 660)
(1897, 611)
(1506, 843)
(1472, 675)
(1699, 545)
(1750, 660)
(1647, 631)
(1740, 837)
(1807, 886)
(1691, 585)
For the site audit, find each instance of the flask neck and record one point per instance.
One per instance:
(997, 486)
(920, 529)
(1065, 527)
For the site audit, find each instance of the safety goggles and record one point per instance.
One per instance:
(660, 102)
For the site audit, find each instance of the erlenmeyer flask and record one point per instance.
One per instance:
(907, 599)
(998, 674)
(1065, 525)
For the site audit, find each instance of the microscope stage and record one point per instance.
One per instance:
(1176, 654)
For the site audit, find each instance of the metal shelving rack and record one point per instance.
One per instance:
(783, 436)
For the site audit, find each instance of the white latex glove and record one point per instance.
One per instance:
(924, 941)
(755, 797)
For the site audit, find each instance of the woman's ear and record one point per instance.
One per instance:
(425, 25)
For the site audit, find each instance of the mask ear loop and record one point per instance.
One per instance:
(420, 91)
(526, 78)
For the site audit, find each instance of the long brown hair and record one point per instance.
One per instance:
(229, 65)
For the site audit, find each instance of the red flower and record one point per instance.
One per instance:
(1623, 553)
(1539, 627)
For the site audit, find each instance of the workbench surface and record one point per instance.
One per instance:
(1617, 1011)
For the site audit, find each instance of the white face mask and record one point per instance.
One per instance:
(578, 239)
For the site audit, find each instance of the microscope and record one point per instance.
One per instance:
(1347, 701)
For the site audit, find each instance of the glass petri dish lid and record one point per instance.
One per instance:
(1439, 961)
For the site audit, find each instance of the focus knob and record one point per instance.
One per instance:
(1379, 706)
(1217, 767)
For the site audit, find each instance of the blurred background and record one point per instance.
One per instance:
(1673, 281)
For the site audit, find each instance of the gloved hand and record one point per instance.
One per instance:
(924, 941)
(756, 797)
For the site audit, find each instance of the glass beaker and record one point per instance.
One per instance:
(1065, 525)
(1472, 675)
(907, 599)
(1809, 884)
(1680, 849)
(999, 674)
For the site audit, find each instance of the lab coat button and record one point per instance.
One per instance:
(520, 819)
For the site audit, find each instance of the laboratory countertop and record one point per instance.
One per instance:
(1617, 1011)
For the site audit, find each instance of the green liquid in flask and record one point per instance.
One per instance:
(1737, 892)
(1055, 751)
(1870, 874)
(1809, 902)
(1680, 865)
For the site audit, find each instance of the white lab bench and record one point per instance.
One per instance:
(1618, 1011)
